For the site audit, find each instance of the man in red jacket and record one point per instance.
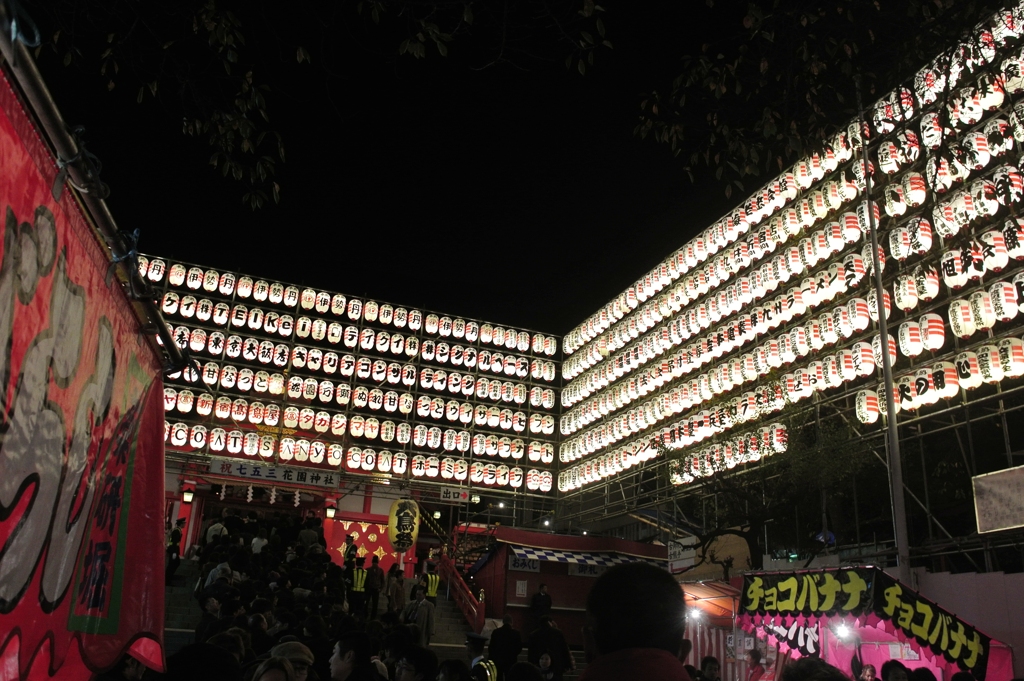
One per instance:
(636, 620)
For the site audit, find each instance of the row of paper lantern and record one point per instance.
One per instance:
(240, 409)
(959, 267)
(227, 284)
(308, 389)
(966, 108)
(737, 255)
(598, 316)
(969, 370)
(351, 337)
(726, 455)
(913, 238)
(388, 431)
(356, 458)
(980, 312)
(761, 280)
(823, 285)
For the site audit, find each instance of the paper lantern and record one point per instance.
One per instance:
(933, 331)
(905, 292)
(961, 319)
(982, 310)
(1003, 295)
(953, 268)
(945, 379)
(873, 306)
(927, 282)
(867, 406)
(915, 189)
(968, 372)
(906, 388)
(910, 341)
(989, 364)
(1011, 356)
(876, 350)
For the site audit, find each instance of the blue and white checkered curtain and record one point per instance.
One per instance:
(578, 557)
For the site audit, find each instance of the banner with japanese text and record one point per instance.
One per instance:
(81, 439)
(794, 602)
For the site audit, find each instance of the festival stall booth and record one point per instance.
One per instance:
(710, 625)
(857, 616)
(513, 571)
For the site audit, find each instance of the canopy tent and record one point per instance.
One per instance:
(716, 601)
(862, 612)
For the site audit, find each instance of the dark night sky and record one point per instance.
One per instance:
(514, 195)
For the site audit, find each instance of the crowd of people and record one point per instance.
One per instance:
(276, 608)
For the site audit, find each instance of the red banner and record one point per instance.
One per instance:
(81, 437)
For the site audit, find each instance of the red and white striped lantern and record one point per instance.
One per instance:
(867, 406)
(967, 370)
(961, 319)
(911, 344)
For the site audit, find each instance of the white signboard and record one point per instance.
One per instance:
(577, 570)
(999, 500)
(268, 475)
(523, 564)
(454, 494)
(521, 588)
(681, 554)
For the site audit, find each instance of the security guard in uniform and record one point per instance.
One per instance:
(433, 582)
(357, 595)
(480, 667)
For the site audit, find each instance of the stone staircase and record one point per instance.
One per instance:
(181, 611)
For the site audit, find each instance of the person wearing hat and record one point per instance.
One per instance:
(299, 655)
(480, 667)
(433, 581)
(350, 551)
(357, 590)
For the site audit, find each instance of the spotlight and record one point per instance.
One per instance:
(546, 522)
(843, 631)
(331, 510)
(501, 504)
(186, 496)
(584, 533)
(437, 515)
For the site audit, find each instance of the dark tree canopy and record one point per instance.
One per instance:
(759, 97)
(216, 66)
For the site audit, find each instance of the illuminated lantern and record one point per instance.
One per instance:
(899, 243)
(945, 379)
(954, 273)
(989, 364)
(1011, 356)
(873, 304)
(906, 388)
(967, 370)
(1003, 296)
(867, 406)
(876, 350)
(984, 198)
(961, 319)
(933, 331)
(910, 341)
(403, 524)
(905, 292)
(982, 310)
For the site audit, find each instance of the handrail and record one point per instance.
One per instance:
(471, 608)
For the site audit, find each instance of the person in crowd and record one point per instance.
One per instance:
(453, 670)
(635, 623)
(300, 656)
(211, 614)
(261, 640)
(893, 670)
(357, 589)
(421, 613)
(126, 669)
(416, 664)
(308, 536)
(433, 582)
(709, 668)
(395, 590)
(274, 669)
(922, 674)
(867, 673)
(374, 585)
(505, 645)
(173, 552)
(259, 541)
(546, 672)
(314, 636)
(231, 643)
(396, 642)
(215, 531)
(480, 667)
(234, 524)
(547, 638)
(248, 655)
(351, 659)
(754, 669)
(350, 551)
(811, 669)
(540, 604)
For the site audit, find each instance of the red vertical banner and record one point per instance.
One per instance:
(81, 437)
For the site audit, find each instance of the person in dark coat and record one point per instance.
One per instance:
(211, 615)
(548, 639)
(505, 646)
